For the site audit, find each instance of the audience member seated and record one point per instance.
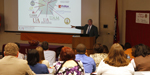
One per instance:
(88, 62)
(141, 62)
(128, 50)
(115, 63)
(67, 64)
(105, 49)
(20, 55)
(98, 54)
(33, 59)
(11, 65)
(41, 56)
(48, 54)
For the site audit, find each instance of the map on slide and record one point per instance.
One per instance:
(45, 6)
(38, 14)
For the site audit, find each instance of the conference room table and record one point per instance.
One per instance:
(25, 47)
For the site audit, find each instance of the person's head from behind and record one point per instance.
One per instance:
(140, 50)
(41, 53)
(105, 49)
(45, 45)
(98, 48)
(67, 54)
(81, 49)
(116, 56)
(11, 49)
(127, 45)
(90, 22)
(32, 57)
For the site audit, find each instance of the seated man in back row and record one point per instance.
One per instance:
(11, 65)
(88, 62)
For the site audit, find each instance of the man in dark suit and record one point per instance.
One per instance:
(89, 29)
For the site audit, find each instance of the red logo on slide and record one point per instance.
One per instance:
(63, 6)
(59, 6)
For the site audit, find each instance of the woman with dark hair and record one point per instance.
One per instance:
(33, 59)
(115, 63)
(67, 64)
(98, 53)
(141, 61)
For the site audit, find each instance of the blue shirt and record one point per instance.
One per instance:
(88, 63)
(39, 68)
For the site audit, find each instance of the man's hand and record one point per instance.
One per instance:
(73, 26)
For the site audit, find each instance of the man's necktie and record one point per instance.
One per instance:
(88, 30)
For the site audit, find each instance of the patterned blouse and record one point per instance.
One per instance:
(76, 70)
(98, 57)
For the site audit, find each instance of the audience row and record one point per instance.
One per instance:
(115, 61)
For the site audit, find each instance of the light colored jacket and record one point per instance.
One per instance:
(11, 65)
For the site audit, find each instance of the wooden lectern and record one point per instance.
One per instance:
(87, 41)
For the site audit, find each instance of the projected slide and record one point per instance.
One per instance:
(49, 15)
